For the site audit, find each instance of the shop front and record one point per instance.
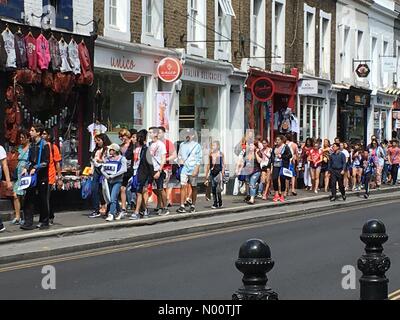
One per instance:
(51, 92)
(314, 112)
(381, 116)
(210, 100)
(353, 110)
(127, 85)
(270, 102)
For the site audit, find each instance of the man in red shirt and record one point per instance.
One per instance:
(54, 170)
(394, 160)
(171, 156)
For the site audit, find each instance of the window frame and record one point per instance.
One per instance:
(121, 31)
(278, 64)
(223, 23)
(196, 30)
(325, 46)
(309, 40)
(154, 37)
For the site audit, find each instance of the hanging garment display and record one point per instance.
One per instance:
(9, 46)
(87, 76)
(20, 50)
(73, 56)
(65, 66)
(30, 44)
(55, 55)
(43, 52)
(3, 55)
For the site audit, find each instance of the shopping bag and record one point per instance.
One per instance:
(106, 191)
(236, 187)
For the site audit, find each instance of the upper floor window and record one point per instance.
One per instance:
(309, 40)
(375, 60)
(346, 54)
(325, 43)
(117, 19)
(278, 35)
(257, 27)
(360, 45)
(223, 28)
(113, 13)
(197, 28)
(64, 13)
(12, 9)
(153, 22)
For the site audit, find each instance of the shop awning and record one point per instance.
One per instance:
(393, 91)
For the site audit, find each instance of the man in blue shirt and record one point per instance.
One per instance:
(337, 166)
(189, 156)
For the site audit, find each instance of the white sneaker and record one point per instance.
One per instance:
(120, 216)
(110, 218)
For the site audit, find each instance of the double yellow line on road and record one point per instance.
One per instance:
(395, 295)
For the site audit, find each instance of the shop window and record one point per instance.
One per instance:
(198, 109)
(64, 13)
(153, 22)
(117, 19)
(224, 12)
(196, 27)
(123, 101)
(12, 9)
(311, 118)
(278, 35)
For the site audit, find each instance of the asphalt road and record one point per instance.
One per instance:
(309, 255)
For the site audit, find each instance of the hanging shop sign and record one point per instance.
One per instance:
(363, 70)
(169, 69)
(389, 64)
(263, 89)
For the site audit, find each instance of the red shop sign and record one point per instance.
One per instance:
(263, 89)
(169, 69)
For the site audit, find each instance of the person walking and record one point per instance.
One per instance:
(143, 171)
(281, 156)
(394, 160)
(315, 160)
(266, 156)
(97, 160)
(4, 170)
(158, 153)
(55, 173)
(306, 163)
(368, 167)
(39, 159)
(214, 172)
(126, 150)
(326, 154)
(170, 158)
(113, 170)
(23, 154)
(294, 149)
(357, 167)
(378, 157)
(337, 167)
(190, 156)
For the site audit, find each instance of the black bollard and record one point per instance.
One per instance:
(254, 262)
(374, 264)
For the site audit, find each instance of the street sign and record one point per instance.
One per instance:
(363, 70)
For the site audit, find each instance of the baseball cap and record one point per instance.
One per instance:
(114, 147)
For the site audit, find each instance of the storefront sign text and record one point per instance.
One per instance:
(203, 75)
(125, 61)
(263, 89)
(308, 87)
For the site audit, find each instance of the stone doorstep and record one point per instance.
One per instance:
(188, 216)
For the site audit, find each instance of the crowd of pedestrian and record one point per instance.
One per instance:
(124, 176)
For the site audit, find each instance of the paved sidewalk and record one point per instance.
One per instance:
(78, 222)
